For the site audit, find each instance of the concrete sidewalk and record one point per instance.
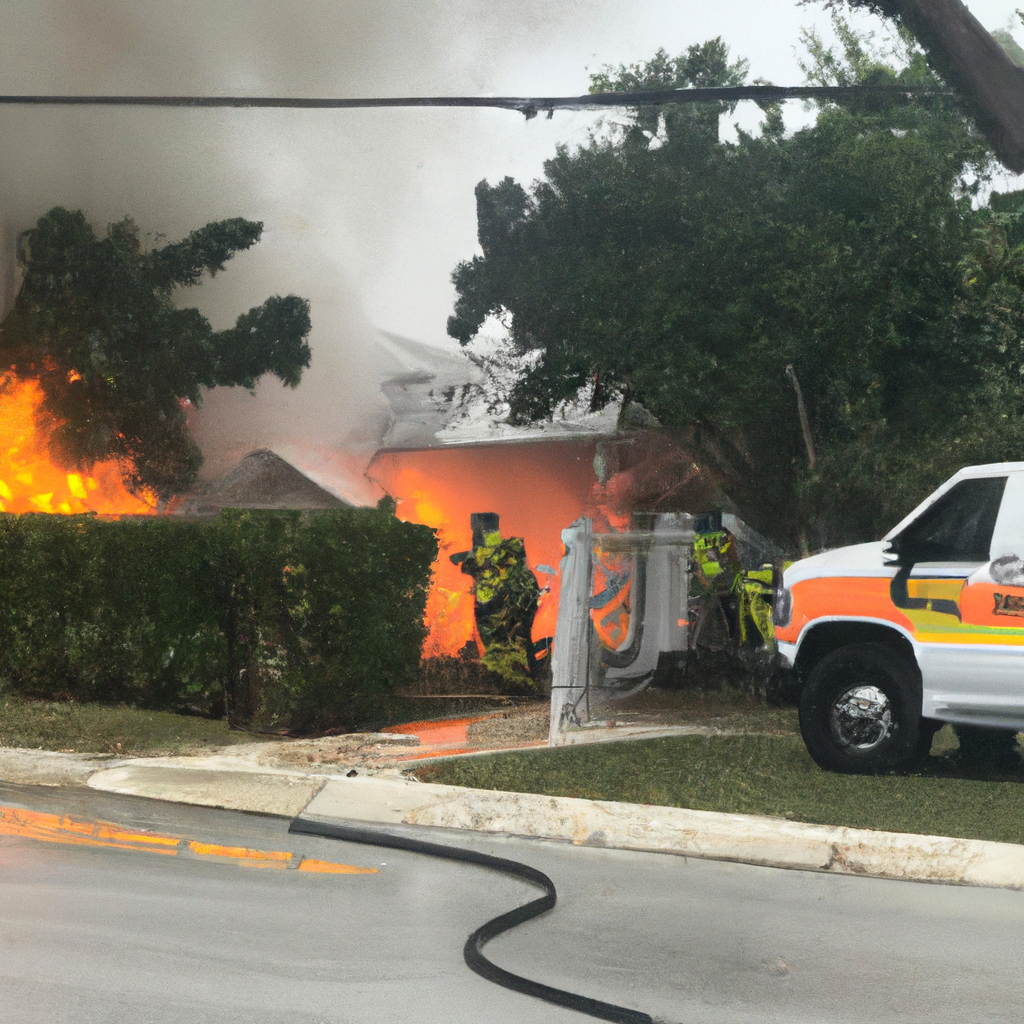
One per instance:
(242, 780)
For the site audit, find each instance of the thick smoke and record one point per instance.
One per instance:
(365, 212)
(332, 188)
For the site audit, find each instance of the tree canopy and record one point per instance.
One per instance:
(96, 323)
(973, 61)
(662, 265)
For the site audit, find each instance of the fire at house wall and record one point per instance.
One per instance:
(537, 488)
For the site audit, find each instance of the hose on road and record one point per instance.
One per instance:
(475, 959)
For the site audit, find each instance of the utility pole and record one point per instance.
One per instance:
(966, 55)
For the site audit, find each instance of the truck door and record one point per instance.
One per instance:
(991, 691)
(971, 670)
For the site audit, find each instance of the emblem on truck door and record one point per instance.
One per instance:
(1009, 604)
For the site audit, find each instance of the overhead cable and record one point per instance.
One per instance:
(529, 106)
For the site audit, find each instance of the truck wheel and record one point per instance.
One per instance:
(860, 712)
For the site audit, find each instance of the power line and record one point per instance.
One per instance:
(528, 106)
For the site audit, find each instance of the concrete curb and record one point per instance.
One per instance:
(387, 798)
(771, 842)
(50, 768)
(282, 793)
(390, 799)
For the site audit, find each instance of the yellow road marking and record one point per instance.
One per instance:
(327, 868)
(54, 828)
(275, 857)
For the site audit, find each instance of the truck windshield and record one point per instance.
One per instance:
(957, 527)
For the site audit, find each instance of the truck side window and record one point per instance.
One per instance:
(956, 528)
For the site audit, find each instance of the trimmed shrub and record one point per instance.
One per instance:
(279, 619)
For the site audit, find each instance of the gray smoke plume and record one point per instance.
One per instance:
(365, 212)
(331, 188)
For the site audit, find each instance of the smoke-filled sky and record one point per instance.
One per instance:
(365, 212)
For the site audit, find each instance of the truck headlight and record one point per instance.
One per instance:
(782, 606)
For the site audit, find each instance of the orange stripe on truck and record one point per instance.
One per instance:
(841, 597)
(988, 613)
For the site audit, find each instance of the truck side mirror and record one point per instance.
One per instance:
(895, 553)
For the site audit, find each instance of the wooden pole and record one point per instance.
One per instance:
(971, 61)
(802, 410)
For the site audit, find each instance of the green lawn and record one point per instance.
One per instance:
(106, 729)
(726, 709)
(98, 728)
(759, 774)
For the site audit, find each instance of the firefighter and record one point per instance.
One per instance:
(716, 568)
(720, 582)
(506, 596)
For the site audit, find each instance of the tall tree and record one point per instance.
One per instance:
(96, 323)
(663, 265)
(975, 62)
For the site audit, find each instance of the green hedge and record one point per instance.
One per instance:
(279, 619)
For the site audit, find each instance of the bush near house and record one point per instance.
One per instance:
(278, 619)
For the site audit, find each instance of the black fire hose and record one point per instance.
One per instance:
(475, 959)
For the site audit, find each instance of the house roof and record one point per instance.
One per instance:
(438, 400)
(261, 480)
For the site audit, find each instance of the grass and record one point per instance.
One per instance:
(761, 774)
(98, 728)
(727, 710)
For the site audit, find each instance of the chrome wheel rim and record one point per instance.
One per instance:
(861, 717)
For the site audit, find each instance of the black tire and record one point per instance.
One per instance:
(860, 712)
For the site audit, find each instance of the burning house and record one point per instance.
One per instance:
(447, 457)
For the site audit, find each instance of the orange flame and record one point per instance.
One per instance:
(31, 482)
(537, 489)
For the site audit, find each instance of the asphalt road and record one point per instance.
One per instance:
(92, 934)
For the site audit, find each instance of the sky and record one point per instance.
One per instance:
(365, 213)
